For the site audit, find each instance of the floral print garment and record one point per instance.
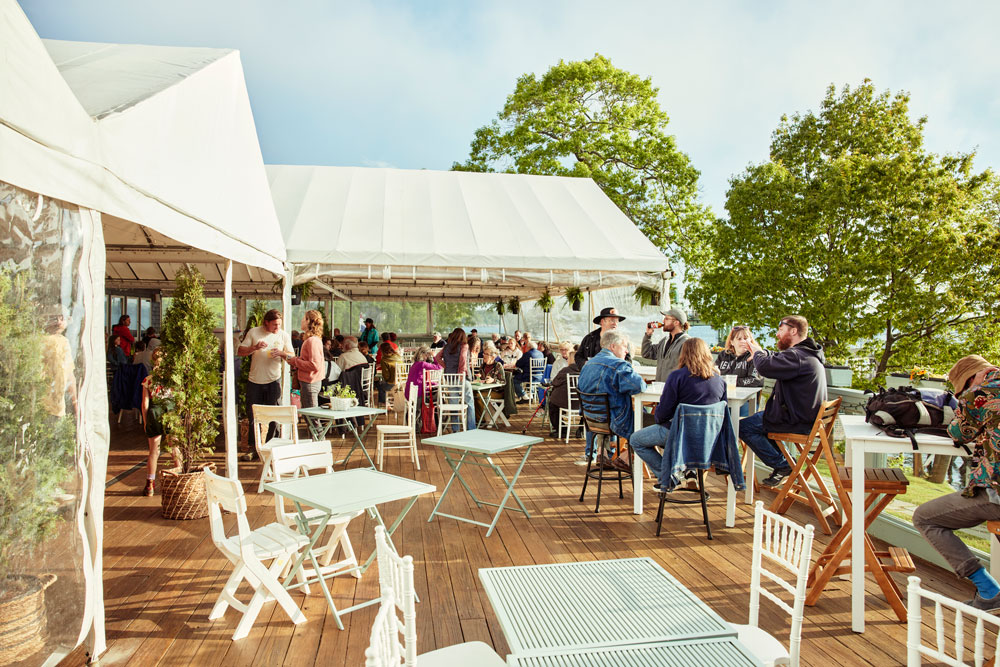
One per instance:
(979, 420)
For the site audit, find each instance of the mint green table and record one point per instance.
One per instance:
(321, 420)
(339, 493)
(477, 448)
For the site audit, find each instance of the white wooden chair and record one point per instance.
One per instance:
(475, 363)
(451, 400)
(248, 550)
(368, 384)
(962, 612)
(403, 371)
(408, 356)
(788, 545)
(395, 580)
(287, 417)
(298, 460)
(393, 436)
(536, 368)
(569, 418)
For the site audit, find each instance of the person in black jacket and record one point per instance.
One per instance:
(799, 390)
(737, 360)
(591, 344)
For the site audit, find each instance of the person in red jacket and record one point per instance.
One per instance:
(125, 337)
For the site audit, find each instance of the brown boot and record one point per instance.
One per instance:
(150, 488)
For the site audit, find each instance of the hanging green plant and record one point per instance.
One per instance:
(514, 305)
(545, 301)
(501, 308)
(646, 296)
(574, 297)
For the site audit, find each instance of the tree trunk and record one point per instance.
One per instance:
(883, 361)
(939, 468)
(918, 465)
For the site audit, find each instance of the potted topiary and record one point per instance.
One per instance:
(574, 297)
(36, 458)
(189, 369)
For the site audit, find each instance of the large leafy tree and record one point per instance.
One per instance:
(854, 224)
(594, 120)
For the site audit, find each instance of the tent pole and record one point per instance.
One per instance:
(229, 423)
(286, 320)
(329, 313)
(430, 317)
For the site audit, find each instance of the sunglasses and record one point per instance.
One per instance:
(741, 327)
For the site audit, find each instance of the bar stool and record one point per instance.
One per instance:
(595, 411)
(796, 488)
(882, 485)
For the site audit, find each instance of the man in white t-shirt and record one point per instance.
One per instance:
(262, 344)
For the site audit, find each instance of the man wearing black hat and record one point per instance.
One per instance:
(591, 343)
(668, 351)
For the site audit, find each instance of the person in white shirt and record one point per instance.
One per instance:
(265, 345)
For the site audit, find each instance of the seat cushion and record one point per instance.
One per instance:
(473, 654)
(767, 649)
(392, 429)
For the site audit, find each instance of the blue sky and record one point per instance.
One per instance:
(406, 84)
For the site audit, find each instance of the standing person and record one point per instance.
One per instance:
(262, 344)
(155, 398)
(310, 365)
(125, 334)
(369, 334)
(454, 357)
(977, 386)
(799, 391)
(668, 351)
(590, 346)
(296, 341)
(57, 365)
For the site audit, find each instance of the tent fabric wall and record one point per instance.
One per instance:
(485, 233)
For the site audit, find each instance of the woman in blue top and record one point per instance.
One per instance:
(695, 382)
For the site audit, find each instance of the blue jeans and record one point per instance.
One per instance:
(470, 413)
(752, 432)
(645, 441)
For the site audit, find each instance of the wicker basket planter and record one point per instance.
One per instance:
(182, 494)
(337, 403)
(22, 618)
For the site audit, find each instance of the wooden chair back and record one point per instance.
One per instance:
(595, 409)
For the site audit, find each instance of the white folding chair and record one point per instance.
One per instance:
(368, 384)
(915, 649)
(494, 411)
(298, 460)
(451, 400)
(408, 356)
(287, 417)
(393, 436)
(570, 417)
(789, 546)
(395, 580)
(248, 550)
(536, 368)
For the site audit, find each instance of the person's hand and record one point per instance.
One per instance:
(260, 345)
(649, 328)
(754, 347)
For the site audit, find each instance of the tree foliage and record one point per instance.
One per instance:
(856, 226)
(190, 369)
(591, 119)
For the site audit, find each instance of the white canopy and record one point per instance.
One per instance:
(375, 233)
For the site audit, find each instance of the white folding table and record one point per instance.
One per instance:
(863, 438)
(482, 390)
(321, 420)
(477, 448)
(736, 397)
(339, 493)
(687, 653)
(545, 609)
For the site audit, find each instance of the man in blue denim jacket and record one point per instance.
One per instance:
(607, 372)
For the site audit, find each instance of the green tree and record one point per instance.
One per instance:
(594, 120)
(853, 224)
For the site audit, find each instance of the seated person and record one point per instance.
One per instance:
(977, 387)
(144, 356)
(737, 360)
(490, 371)
(421, 362)
(607, 372)
(523, 374)
(558, 397)
(350, 356)
(562, 359)
(509, 353)
(116, 355)
(390, 357)
(695, 382)
(546, 351)
(437, 341)
(366, 352)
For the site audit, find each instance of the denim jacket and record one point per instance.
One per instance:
(604, 373)
(701, 436)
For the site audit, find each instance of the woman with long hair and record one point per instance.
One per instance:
(421, 362)
(154, 401)
(454, 357)
(311, 362)
(737, 360)
(116, 356)
(695, 382)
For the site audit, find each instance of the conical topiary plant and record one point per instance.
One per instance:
(190, 370)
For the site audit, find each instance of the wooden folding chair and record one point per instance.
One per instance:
(796, 488)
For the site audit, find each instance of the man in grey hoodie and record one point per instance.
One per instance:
(668, 350)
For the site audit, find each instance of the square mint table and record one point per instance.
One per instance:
(339, 493)
(688, 653)
(321, 420)
(596, 604)
(477, 448)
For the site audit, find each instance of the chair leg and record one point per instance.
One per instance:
(379, 445)
(227, 596)
(600, 470)
(704, 504)
(413, 449)
(586, 478)
(659, 513)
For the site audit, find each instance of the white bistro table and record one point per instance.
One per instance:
(321, 420)
(737, 397)
(478, 447)
(338, 493)
(546, 609)
(863, 438)
(482, 390)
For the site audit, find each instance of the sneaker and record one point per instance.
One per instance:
(985, 604)
(776, 477)
(150, 488)
(249, 457)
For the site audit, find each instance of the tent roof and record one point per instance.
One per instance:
(373, 233)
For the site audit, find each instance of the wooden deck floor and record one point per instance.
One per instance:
(162, 577)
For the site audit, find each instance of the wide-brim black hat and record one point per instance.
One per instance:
(608, 312)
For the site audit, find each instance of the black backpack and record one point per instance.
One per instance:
(903, 412)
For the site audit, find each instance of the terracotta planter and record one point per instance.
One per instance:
(182, 494)
(22, 617)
